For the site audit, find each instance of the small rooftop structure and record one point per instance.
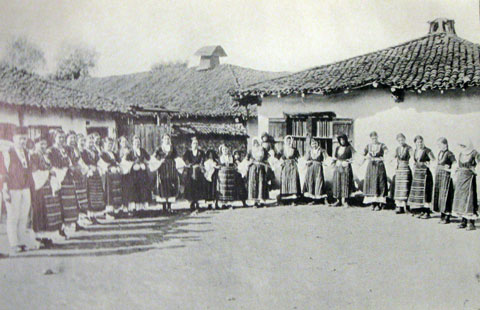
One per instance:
(210, 56)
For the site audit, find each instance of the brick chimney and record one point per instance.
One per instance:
(442, 25)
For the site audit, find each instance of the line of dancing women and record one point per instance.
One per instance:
(78, 180)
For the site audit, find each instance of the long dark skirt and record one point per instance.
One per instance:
(167, 179)
(375, 184)
(126, 188)
(68, 198)
(211, 192)
(113, 189)
(443, 192)
(465, 202)
(314, 186)
(195, 184)
(139, 185)
(343, 185)
(95, 192)
(47, 210)
(421, 190)
(290, 179)
(257, 180)
(401, 183)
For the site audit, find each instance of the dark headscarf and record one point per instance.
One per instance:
(345, 138)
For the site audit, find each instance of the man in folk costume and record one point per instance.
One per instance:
(19, 184)
(46, 207)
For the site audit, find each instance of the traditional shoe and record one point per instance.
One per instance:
(463, 224)
(471, 225)
(425, 216)
(79, 227)
(447, 220)
(109, 218)
(62, 233)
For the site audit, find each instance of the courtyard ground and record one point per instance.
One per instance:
(302, 257)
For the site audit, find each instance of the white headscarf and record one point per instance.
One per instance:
(467, 142)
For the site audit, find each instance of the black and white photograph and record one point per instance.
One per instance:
(239, 154)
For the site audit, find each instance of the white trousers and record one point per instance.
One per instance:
(17, 217)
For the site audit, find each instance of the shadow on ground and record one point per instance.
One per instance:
(127, 236)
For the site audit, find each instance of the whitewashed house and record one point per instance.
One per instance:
(428, 86)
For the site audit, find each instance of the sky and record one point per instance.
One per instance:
(274, 35)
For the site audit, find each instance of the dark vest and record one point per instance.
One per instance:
(19, 177)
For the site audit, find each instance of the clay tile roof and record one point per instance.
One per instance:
(198, 128)
(177, 87)
(19, 88)
(435, 61)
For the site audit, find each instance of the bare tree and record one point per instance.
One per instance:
(24, 55)
(74, 62)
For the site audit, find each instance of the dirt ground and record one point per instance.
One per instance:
(303, 257)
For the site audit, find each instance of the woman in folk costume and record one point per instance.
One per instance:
(210, 167)
(47, 209)
(227, 181)
(289, 179)
(113, 177)
(443, 189)
(95, 191)
(60, 160)
(122, 152)
(258, 174)
(343, 185)
(195, 183)
(74, 148)
(167, 174)
(375, 188)
(421, 191)
(314, 186)
(465, 204)
(402, 179)
(139, 191)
